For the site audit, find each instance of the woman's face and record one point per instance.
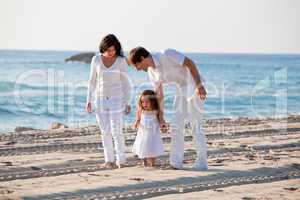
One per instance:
(110, 52)
(145, 103)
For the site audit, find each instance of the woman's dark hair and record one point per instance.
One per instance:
(136, 54)
(108, 41)
(152, 96)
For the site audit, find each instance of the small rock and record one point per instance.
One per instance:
(218, 190)
(137, 179)
(8, 163)
(248, 198)
(6, 191)
(220, 160)
(57, 125)
(291, 188)
(22, 128)
(269, 158)
(10, 143)
(36, 168)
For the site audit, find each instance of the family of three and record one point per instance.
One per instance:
(109, 84)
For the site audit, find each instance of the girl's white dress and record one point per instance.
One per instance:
(148, 142)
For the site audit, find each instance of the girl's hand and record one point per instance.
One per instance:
(89, 107)
(136, 124)
(127, 109)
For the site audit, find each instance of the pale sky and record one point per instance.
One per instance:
(245, 26)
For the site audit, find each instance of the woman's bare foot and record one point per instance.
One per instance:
(108, 165)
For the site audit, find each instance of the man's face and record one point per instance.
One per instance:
(141, 66)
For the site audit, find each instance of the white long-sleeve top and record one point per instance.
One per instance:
(109, 82)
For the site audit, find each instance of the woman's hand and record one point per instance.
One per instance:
(89, 107)
(127, 109)
(202, 92)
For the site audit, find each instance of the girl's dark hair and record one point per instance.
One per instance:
(136, 54)
(108, 41)
(152, 96)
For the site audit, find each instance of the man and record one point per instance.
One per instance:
(172, 67)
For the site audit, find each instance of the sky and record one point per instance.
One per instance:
(225, 26)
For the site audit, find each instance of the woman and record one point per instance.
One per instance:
(108, 79)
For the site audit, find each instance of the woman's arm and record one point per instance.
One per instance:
(91, 85)
(126, 87)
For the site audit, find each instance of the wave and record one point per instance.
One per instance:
(2, 61)
(6, 86)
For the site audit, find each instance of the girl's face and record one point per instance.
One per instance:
(110, 52)
(146, 105)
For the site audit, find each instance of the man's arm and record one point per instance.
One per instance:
(160, 97)
(196, 76)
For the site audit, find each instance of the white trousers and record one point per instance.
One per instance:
(109, 115)
(192, 111)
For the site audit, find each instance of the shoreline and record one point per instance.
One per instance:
(127, 126)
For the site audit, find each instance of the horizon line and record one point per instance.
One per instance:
(191, 52)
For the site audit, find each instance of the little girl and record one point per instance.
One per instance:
(148, 143)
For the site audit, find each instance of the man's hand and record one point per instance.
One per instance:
(202, 92)
(127, 109)
(89, 107)
(163, 125)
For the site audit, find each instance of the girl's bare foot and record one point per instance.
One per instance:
(151, 162)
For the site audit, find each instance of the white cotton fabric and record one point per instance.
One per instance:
(187, 106)
(109, 115)
(148, 142)
(108, 82)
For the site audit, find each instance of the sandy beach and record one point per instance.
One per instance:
(248, 159)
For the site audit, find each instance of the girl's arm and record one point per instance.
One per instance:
(138, 117)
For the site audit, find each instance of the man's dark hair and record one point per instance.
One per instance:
(108, 41)
(136, 54)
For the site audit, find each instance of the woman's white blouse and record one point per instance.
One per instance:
(108, 82)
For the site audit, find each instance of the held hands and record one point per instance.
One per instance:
(89, 107)
(163, 125)
(136, 124)
(201, 92)
(127, 109)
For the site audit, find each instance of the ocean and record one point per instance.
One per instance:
(38, 88)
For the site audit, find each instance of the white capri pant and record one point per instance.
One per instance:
(109, 115)
(192, 111)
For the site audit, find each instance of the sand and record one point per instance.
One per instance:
(255, 159)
